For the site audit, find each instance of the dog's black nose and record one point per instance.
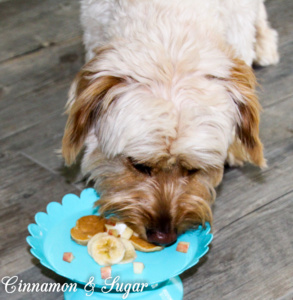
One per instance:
(161, 238)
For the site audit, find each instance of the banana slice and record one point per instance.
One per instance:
(130, 254)
(93, 240)
(106, 250)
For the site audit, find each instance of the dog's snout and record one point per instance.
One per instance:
(161, 238)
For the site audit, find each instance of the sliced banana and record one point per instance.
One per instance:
(130, 254)
(106, 250)
(93, 239)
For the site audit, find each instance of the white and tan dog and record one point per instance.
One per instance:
(167, 96)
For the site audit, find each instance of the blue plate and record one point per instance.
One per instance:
(50, 238)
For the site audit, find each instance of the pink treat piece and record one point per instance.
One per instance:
(182, 247)
(68, 257)
(106, 272)
(113, 232)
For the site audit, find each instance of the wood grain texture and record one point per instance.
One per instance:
(276, 81)
(289, 296)
(30, 25)
(35, 86)
(40, 141)
(250, 259)
(244, 190)
(276, 126)
(25, 189)
(280, 16)
(36, 274)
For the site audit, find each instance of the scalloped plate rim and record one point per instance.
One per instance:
(205, 232)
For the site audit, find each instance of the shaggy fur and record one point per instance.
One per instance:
(166, 97)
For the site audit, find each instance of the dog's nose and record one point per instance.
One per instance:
(161, 238)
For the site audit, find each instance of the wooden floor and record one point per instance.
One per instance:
(251, 256)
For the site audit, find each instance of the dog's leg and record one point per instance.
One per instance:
(236, 154)
(266, 46)
(239, 19)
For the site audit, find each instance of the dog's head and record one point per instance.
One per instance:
(157, 131)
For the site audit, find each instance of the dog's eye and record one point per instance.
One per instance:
(142, 168)
(209, 76)
(191, 172)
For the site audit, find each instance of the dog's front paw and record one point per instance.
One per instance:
(234, 161)
(266, 48)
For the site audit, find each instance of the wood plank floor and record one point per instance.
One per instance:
(251, 256)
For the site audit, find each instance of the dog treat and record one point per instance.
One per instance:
(106, 272)
(68, 257)
(108, 242)
(106, 249)
(127, 233)
(142, 245)
(182, 247)
(113, 232)
(109, 250)
(130, 254)
(138, 267)
(122, 229)
(93, 239)
(86, 227)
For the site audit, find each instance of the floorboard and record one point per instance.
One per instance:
(35, 87)
(276, 81)
(280, 17)
(25, 189)
(47, 23)
(250, 259)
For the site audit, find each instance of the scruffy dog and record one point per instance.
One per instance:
(167, 96)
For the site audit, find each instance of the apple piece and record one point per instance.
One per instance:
(68, 257)
(138, 267)
(113, 232)
(106, 272)
(108, 227)
(182, 247)
(127, 233)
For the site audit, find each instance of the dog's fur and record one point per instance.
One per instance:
(166, 97)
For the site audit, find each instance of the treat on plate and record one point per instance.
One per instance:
(138, 267)
(106, 272)
(68, 257)
(118, 229)
(86, 227)
(182, 247)
(109, 250)
(118, 244)
(142, 245)
(130, 254)
(113, 232)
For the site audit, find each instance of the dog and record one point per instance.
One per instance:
(165, 99)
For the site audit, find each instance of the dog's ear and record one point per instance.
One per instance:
(85, 106)
(242, 89)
